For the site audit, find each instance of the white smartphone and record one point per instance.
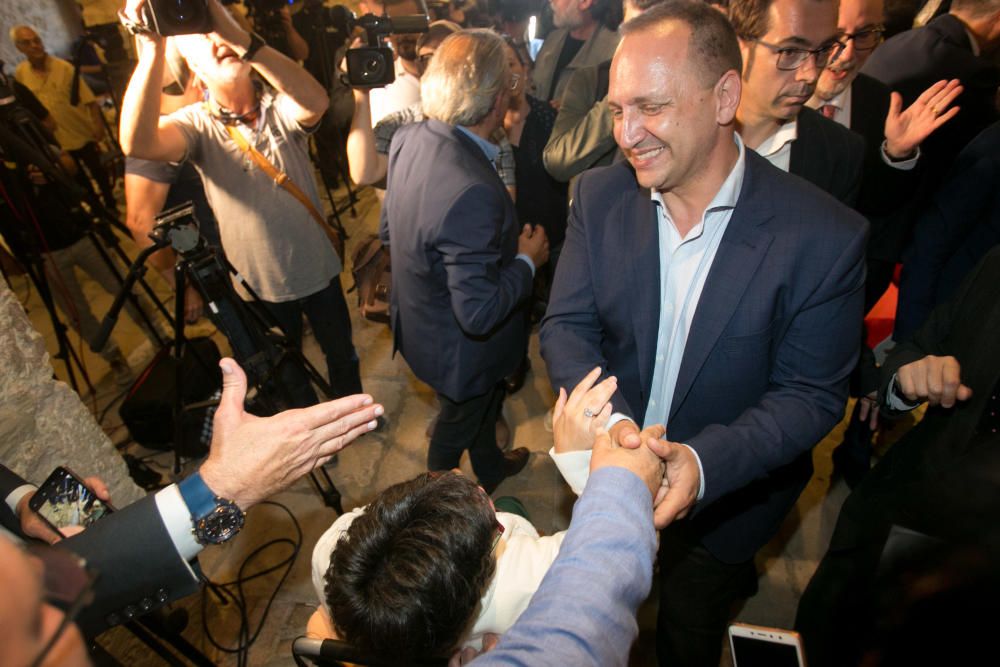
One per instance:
(758, 646)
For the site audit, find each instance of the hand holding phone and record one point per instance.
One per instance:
(67, 503)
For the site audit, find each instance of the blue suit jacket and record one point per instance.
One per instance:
(773, 340)
(456, 285)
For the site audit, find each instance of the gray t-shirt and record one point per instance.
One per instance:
(266, 233)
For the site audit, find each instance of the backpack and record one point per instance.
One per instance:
(372, 278)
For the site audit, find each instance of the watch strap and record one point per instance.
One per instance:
(197, 496)
(256, 44)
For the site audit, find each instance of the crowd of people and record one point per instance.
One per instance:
(696, 202)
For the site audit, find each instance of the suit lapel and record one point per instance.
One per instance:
(743, 247)
(639, 236)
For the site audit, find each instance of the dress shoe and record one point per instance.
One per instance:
(513, 463)
(515, 380)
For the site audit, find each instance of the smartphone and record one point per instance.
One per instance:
(758, 646)
(63, 500)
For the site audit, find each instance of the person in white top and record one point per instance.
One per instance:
(430, 565)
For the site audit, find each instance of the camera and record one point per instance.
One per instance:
(266, 18)
(177, 17)
(371, 66)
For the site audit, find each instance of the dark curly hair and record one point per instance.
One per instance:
(406, 578)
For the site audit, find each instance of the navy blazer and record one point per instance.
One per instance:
(773, 340)
(456, 285)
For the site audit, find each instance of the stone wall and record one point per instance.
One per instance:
(43, 423)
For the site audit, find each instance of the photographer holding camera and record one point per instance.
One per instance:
(249, 143)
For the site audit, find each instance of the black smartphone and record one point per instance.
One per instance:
(64, 501)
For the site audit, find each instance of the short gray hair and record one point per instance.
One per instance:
(16, 29)
(465, 76)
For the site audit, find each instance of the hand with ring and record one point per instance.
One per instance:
(577, 418)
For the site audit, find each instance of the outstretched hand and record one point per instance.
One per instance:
(252, 457)
(906, 129)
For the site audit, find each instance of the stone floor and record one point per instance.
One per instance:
(398, 453)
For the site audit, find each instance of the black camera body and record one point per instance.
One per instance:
(372, 66)
(177, 17)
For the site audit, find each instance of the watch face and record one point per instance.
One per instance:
(220, 525)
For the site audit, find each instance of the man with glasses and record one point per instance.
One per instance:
(892, 140)
(785, 45)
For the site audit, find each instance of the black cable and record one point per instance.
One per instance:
(246, 638)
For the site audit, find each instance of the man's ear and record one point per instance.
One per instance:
(726, 94)
(585, 5)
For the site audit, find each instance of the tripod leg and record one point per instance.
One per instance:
(329, 493)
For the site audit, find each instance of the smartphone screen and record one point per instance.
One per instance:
(63, 500)
(755, 652)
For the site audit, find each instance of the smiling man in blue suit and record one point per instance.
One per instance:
(726, 297)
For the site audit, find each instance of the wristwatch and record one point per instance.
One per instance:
(214, 520)
(256, 44)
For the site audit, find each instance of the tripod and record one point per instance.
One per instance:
(273, 363)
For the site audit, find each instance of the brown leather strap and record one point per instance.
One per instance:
(279, 177)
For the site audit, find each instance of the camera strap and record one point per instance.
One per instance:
(286, 183)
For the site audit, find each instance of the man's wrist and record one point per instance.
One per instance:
(220, 486)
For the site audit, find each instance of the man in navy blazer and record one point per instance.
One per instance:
(461, 268)
(725, 296)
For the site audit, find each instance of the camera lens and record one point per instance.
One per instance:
(373, 68)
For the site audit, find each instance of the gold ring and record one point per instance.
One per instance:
(934, 110)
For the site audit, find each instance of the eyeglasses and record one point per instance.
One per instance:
(68, 585)
(496, 540)
(865, 40)
(791, 58)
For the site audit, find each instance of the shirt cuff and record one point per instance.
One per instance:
(701, 472)
(615, 418)
(527, 259)
(902, 165)
(897, 402)
(177, 520)
(15, 497)
(574, 467)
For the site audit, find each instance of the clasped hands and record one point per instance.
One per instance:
(669, 469)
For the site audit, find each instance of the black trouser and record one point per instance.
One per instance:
(88, 157)
(697, 595)
(469, 425)
(331, 324)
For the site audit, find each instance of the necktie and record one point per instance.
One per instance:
(829, 110)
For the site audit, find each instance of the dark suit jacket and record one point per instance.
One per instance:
(885, 191)
(911, 61)
(137, 566)
(456, 285)
(773, 340)
(947, 457)
(828, 155)
(960, 225)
